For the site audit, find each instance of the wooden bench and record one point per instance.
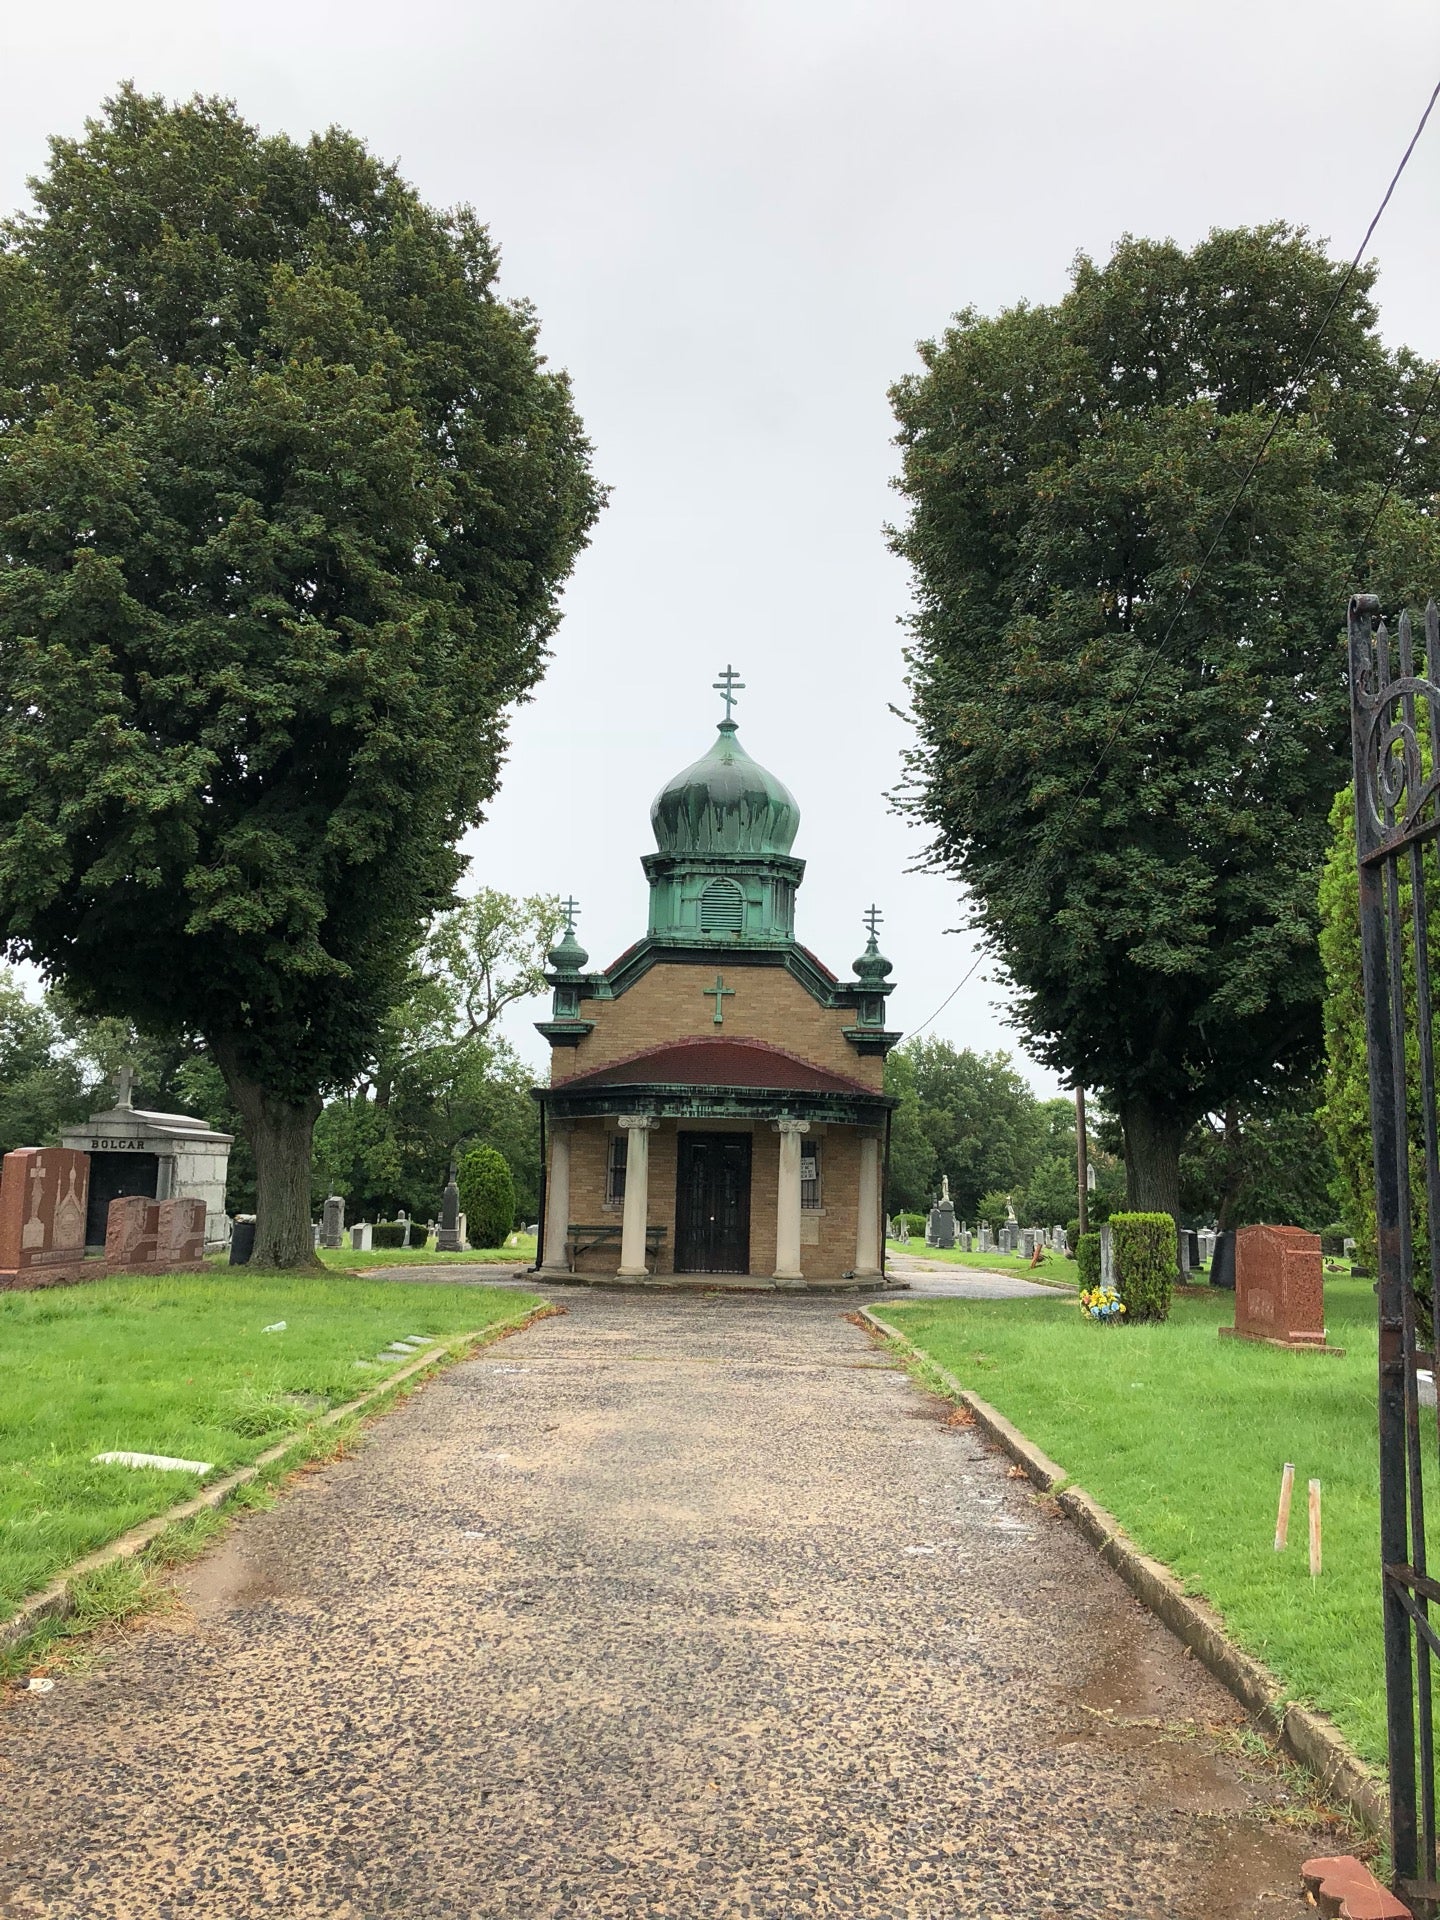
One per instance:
(583, 1238)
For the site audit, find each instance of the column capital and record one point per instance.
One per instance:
(790, 1126)
(646, 1121)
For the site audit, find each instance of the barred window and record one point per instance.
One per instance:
(810, 1173)
(722, 908)
(615, 1170)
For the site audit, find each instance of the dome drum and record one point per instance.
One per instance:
(722, 900)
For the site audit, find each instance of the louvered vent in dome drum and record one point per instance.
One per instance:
(722, 910)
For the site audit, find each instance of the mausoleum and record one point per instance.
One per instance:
(160, 1156)
(716, 1112)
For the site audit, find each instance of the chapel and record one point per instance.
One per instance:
(716, 1113)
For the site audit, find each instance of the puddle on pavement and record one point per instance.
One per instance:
(226, 1578)
(1161, 1724)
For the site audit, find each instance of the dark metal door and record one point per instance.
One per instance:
(1395, 730)
(712, 1203)
(116, 1176)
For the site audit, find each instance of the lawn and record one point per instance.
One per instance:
(345, 1259)
(181, 1366)
(1056, 1268)
(1183, 1436)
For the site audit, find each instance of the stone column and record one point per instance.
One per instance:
(867, 1221)
(557, 1199)
(787, 1206)
(638, 1127)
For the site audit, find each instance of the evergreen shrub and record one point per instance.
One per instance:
(1146, 1253)
(1072, 1234)
(915, 1225)
(388, 1233)
(1087, 1258)
(487, 1196)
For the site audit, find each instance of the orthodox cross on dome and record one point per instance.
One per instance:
(722, 993)
(727, 686)
(872, 920)
(570, 908)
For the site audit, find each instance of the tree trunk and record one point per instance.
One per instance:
(1152, 1158)
(281, 1135)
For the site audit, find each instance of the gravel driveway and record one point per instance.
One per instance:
(681, 1606)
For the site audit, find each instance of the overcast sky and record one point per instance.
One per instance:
(735, 220)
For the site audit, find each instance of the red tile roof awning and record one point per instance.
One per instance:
(719, 1063)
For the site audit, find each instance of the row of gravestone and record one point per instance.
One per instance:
(44, 1192)
(943, 1231)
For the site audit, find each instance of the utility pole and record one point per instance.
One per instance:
(1082, 1157)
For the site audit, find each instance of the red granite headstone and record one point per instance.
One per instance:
(180, 1235)
(43, 1192)
(1279, 1288)
(131, 1226)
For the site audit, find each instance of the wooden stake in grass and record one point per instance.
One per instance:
(1314, 1528)
(1282, 1518)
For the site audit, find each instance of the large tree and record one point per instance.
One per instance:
(286, 498)
(1141, 829)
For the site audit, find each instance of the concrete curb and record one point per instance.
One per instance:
(55, 1602)
(1307, 1737)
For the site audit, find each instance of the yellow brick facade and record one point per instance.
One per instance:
(827, 1233)
(670, 1003)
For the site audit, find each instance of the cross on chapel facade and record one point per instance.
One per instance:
(721, 1124)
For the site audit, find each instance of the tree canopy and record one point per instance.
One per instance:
(1142, 831)
(287, 495)
(967, 1115)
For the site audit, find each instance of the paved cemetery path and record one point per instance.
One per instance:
(671, 1607)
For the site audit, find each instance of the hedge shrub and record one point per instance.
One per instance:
(1145, 1252)
(487, 1197)
(1087, 1258)
(391, 1233)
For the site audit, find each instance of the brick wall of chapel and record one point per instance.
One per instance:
(826, 1256)
(668, 1003)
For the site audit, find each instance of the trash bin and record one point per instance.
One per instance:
(242, 1239)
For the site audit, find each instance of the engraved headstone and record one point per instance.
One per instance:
(43, 1193)
(332, 1222)
(448, 1240)
(360, 1237)
(132, 1230)
(1222, 1262)
(1279, 1289)
(1107, 1256)
(180, 1232)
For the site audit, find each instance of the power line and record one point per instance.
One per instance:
(1240, 492)
(1289, 394)
(915, 1032)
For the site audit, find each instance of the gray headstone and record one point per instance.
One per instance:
(1107, 1257)
(332, 1224)
(447, 1239)
(944, 1217)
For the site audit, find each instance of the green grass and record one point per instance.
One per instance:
(1055, 1270)
(1183, 1436)
(180, 1366)
(344, 1259)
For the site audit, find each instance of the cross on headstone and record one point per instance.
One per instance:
(727, 685)
(570, 908)
(721, 993)
(124, 1092)
(873, 919)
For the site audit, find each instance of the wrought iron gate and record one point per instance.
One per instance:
(1395, 733)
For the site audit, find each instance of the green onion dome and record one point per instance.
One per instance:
(725, 803)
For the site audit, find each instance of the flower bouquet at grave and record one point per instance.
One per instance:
(1101, 1303)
